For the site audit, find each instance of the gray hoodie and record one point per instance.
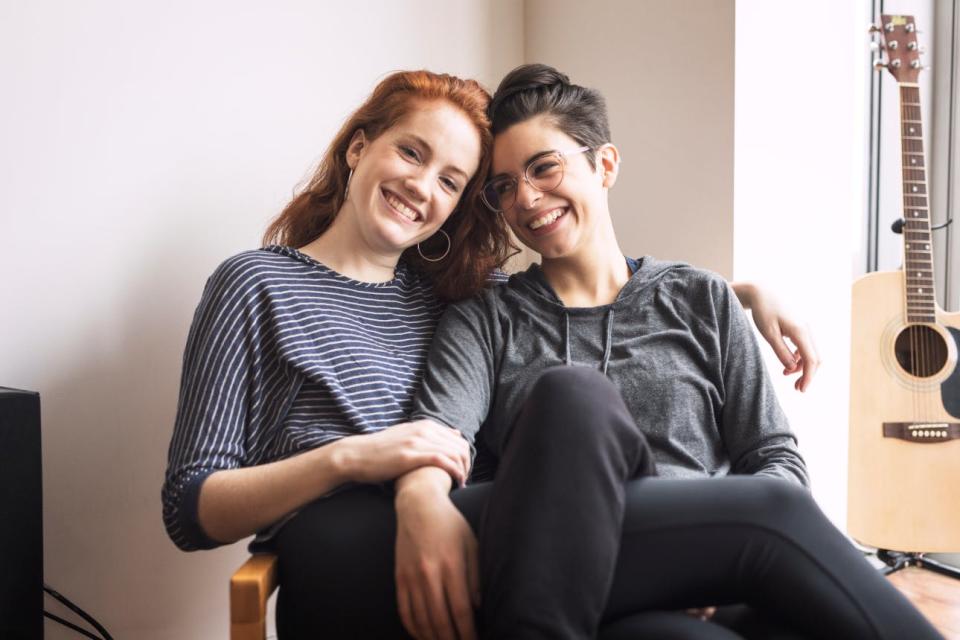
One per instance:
(675, 341)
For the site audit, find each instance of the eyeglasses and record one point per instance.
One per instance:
(543, 173)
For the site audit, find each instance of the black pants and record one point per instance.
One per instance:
(577, 541)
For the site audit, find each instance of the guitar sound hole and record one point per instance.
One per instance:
(920, 350)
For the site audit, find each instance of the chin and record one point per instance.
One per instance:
(552, 250)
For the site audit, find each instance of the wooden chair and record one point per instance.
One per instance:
(250, 588)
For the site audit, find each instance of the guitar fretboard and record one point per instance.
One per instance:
(917, 238)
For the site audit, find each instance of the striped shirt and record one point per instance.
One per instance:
(284, 355)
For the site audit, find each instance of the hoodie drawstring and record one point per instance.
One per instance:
(607, 340)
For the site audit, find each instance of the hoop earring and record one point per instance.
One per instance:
(347, 188)
(449, 244)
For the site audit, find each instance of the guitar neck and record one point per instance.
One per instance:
(917, 236)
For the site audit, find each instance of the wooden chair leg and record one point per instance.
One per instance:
(250, 588)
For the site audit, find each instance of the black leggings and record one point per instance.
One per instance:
(575, 542)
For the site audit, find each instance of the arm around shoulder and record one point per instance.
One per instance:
(753, 426)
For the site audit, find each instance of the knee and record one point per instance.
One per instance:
(579, 406)
(779, 504)
(571, 390)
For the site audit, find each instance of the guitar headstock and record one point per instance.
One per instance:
(898, 39)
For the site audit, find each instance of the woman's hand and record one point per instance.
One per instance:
(394, 451)
(437, 574)
(775, 325)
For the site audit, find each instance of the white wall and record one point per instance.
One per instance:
(666, 70)
(798, 197)
(140, 144)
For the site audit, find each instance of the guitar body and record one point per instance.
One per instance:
(904, 492)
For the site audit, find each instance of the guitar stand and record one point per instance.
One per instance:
(896, 560)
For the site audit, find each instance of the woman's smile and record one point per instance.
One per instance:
(405, 211)
(547, 221)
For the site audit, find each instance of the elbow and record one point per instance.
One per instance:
(187, 537)
(181, 516)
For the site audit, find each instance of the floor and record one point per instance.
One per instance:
(937, 596)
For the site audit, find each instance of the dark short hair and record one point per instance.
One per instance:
(531, 90)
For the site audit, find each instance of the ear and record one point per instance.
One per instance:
(609, 164)
(355, 149)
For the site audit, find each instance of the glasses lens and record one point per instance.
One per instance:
(499, 193)
(546, 173)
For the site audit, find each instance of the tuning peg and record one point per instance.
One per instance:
(874, 28)
(879, 64)
(875, 46)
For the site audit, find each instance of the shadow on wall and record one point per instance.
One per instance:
(107, 419)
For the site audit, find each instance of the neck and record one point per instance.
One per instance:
(591, 276)
(344, 249)
(918, 255)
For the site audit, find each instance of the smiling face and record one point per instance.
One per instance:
(558, 223)
(408, 181)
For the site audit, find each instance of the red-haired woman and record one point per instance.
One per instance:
(304, 357)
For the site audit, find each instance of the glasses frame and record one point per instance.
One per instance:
(563, 164)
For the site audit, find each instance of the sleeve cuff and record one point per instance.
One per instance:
(189, 513)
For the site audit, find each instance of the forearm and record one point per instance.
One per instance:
(429, 482)
(786, 464)
(745, 292)
(235, 503)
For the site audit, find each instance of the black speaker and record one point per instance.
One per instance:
(21, 516)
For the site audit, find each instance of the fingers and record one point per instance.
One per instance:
(704, 613)
(781, 348)
(808, 360)
(460, 607)
(421, 616)
(473, 571)
(449, 442)
(453, 466)
(811, 362)
(440, 620)
(405, 609)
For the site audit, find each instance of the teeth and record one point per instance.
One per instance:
(547, 219)
(402, 208)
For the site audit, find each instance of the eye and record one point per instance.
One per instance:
(409, 153)
(545, 167)
(450, 185)
(503, 187)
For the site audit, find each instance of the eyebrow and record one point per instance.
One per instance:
(426, 145)
(538, 154)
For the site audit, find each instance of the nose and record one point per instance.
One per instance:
(416, 185)
(527, 196)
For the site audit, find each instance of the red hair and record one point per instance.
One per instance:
(479, 240)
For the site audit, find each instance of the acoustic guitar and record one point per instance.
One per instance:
(904, 473)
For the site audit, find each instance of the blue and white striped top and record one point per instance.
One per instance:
(284, 355)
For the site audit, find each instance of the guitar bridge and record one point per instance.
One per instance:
(924, 432)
